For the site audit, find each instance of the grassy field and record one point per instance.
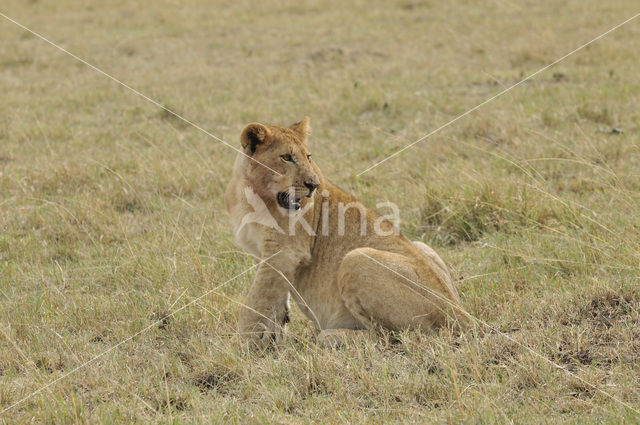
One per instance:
(111, 209)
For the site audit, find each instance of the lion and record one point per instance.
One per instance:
(347, 268)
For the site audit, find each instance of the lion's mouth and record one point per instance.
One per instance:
(287, 202)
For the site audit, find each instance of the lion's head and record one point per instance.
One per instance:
(280, 166)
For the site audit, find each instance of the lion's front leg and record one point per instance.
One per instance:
(265, 310)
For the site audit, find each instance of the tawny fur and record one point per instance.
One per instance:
(348, 281)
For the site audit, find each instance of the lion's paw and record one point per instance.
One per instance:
(337, 338)
(263, 331)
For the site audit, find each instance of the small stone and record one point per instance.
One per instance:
(614, 130)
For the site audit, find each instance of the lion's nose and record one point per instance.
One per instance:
(311, 185)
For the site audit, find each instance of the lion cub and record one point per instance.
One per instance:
(345, 265)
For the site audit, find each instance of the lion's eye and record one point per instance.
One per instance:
(309, 157)
(287, 157)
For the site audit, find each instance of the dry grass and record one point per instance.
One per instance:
(111, 211)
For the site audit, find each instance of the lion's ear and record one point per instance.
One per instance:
(253, 135)
(303, 128)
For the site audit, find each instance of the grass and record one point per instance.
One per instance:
(111, 210)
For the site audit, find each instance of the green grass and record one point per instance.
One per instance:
(111, 210)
